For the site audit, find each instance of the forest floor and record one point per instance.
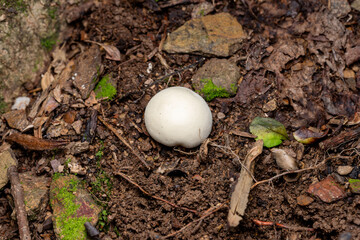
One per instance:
(298, 64)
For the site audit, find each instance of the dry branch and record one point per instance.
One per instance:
(18, 194)
(239, 197)
(343, 137)
(300, 170)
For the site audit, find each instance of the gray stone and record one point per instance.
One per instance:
(25, 26)
(356, 5)
(7, 159)
(36, 193)
(213, 35)
(216, 78)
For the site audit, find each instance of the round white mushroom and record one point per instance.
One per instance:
(178, 116)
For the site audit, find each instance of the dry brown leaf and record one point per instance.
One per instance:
(59, 59)
(33, 143)
(46, 80)
(112, 53)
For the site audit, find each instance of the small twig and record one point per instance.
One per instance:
(300, 170)
(18, 194)
(124, 141)
(295, 228)
(230, 151)
(186, 153)
(204, 215)
(154, 196)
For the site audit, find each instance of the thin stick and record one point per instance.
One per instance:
(300, 170)
(124, 141)
(18, 194)
(205, 214)
(295, 228)
(236, 156)
(153, 196)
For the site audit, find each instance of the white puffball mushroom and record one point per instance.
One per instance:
(177, 116)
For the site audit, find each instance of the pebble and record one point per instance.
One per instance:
(344, 170)
(221, 115)
(304, 200)
(328, 190)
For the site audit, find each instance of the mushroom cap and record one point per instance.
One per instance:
(177, 116)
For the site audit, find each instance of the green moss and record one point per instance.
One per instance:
(52, 12)
(233, 88)
(17, 5)
(49, 42)
(211, 91)
(104, 89)
(3, 106)
(71, 227)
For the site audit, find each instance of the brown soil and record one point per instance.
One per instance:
(194, 182)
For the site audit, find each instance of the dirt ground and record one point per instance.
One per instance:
(296, 53)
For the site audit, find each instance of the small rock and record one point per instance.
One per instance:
(216, 78)
(304, 200)
(7, 159)
(55, 164)
(270, 106)
(201, 10)
(77, 147)
(72, 206)
(17, 119)
(356, 5)
(47, 224)
(214, 35)
(35, 193)
(20, 103)
(345, 236)
(344, 170)
(340, 8)
(2, 17)
(221, 115)
(76, 168)
(354, 185)
(77, 126)
(327, 190)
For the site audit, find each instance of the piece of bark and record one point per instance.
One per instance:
(343, 137)
(34, 143)
(91, 127)
(239, 197)
(18, 194)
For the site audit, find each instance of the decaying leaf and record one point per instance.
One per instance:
(33, 143)
(309, 135)
(112, 53)
(239, 197)
(269, 130)
(46, 80)
(284, 160)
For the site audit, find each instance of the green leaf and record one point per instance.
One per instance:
(269, 130)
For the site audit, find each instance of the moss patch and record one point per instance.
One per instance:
(49, 42)
(70, 226)
(211, 91)
(3, 106)
(17, 5)
(105, 89)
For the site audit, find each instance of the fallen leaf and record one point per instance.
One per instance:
(269, 130)
(112, 53)
(46, 80)
(33, 143)
(309, 135)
